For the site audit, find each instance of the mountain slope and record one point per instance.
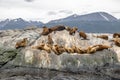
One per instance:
(18, 23)
(94, 22)
(97, 16)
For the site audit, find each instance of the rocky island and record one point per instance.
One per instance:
(58, 53)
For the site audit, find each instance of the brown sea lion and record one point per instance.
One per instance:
(75, 49)
(68, 28)
(43, 46)
(81, 51)
(46, 31)
(105, 37)
(58, 28)
(116, 35)
(73, 30)
(47, 48)
(57, 49)
(61, 49)
(98, 47)
(117, 41)
(83, 35)
(92, 49)
(102, 47)
(22, 43)
(69, 50)
(50, 41)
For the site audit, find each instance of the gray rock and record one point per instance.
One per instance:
(29, 57)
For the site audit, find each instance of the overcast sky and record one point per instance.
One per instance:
(45, 10)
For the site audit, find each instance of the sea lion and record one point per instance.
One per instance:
(117, 41)
(22, 43)
(47, 48)
(102, 47)
(61, 49)
(92, 49)
(46, 31)
(43, 46)
(81, 51)
(68, 28)
(50, 41)
(69, 50)
(105, 37)
(56, 49)
(83, 35)
(58, 28)
(73, 30)
(75, 49)
(116, 35)
(99, 47)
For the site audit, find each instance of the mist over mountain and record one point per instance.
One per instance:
(93, 22)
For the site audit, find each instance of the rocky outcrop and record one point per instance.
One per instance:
(29, 57)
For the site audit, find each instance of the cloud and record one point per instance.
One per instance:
(66, 11)
(116, 12)
(29, 0)
(52, 13)
(51, 9)
(59, 12)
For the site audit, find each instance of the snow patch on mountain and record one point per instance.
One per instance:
(104, 17)
(75, 15)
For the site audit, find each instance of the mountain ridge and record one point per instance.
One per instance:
(101, 22)
(92, 22)
(96, 16)
(18, 23)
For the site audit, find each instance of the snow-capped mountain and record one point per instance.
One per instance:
(18, 23)
(93, 22)
(97, 16)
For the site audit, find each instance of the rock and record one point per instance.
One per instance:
(7, 55)
(23, 73)
(36, 58)
(65, 61)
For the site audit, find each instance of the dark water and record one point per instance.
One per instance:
(21, 73)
